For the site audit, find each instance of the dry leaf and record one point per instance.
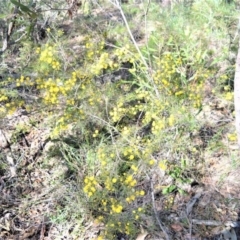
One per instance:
(177, 227)
(142, 236)
(10, 160)
(217, 230)
(5, 227)
(28, 233)
(13, 171)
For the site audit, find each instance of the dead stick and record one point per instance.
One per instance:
(233, 224)
(156, 213)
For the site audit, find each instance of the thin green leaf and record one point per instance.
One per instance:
(2, 16)
(24, 9)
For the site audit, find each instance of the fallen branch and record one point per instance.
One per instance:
(233, 224)
(192, 202)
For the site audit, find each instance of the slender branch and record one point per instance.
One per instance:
(156, 213)
(118, 6)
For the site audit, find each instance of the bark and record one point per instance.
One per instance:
(237, 95)
(9, 31)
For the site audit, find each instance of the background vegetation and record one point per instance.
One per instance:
(117, 117)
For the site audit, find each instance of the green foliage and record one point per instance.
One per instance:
(20, 130)
(25, 9)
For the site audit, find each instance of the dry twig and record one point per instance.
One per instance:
(156, 213)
